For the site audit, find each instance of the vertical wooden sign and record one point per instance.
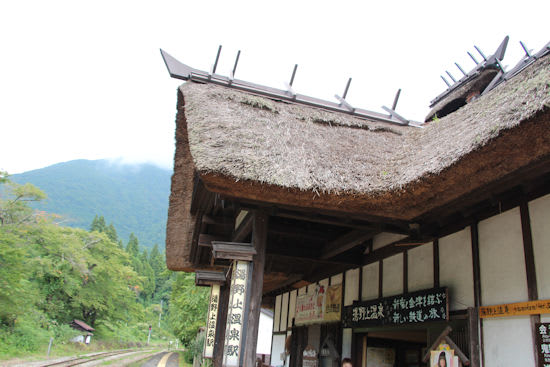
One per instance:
(211, 321)
(234, 346)
(543, 343)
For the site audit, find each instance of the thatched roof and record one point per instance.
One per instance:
(254, 148)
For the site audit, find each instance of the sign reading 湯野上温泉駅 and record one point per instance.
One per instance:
(211, 321)
(409, 308)
(236, 313)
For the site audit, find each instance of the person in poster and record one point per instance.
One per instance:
(441, 358)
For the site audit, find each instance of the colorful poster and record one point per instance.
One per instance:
(236, 314)
(443, 356)
(211, 321)
(333, 303)
(321, 305)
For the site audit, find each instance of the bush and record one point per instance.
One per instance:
(25, 336)
(195, 348)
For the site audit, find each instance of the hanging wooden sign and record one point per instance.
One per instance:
(211, 321)
(410, 308)
(515, 309)
(236, 314)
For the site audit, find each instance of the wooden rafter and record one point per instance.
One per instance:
(346, 242)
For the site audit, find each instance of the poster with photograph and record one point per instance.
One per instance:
(443, 356)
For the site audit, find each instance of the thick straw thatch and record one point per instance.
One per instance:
(255, 148)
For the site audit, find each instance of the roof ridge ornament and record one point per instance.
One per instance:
(492, 62)
(178, 70)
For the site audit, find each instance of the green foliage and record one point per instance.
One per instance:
(133, 197)
(195, 348)
(13, 201)
(188, 307)
(50, 275)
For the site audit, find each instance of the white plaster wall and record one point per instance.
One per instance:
(508, 342)
(456, 269)
(539, 212)
(265, 331)
(292, 307)
(385, 238)
(392, 277)
(352, 287)
(421, 267)
(284, 312)
(336, 279)
(502, 262)
(346, 343)
(277, 315)
(277, 348)
(370, 281)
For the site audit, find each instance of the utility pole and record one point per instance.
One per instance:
(160, 313)
(149, 336)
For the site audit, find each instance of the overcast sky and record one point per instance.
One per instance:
(86, 80)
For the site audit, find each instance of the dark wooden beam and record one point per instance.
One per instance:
(244, 229)
(380, 278)
(475, 264)
(221, 323)
(344, 243)
(436, 262)
(259, 241)
(287, 230)
(205, 240)
(405, 271)
(368, 222)
(533, 172)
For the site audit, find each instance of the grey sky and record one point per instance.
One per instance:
(86, 80)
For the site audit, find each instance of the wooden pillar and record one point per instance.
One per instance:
(476, 326)
(473, 325)
(220, 326)
(259, 241)
(532, 288)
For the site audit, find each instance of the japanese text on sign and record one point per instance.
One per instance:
(417, 307)
(543, 343)
(211, 321)
(235, 314)
(515, 309)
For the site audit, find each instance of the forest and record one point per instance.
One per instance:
(51, 274)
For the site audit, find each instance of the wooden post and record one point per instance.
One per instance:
(259, 241)
(473, 325)
(217, 361)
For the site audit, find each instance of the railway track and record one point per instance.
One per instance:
(82, 360)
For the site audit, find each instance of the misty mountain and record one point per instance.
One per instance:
(134, 197)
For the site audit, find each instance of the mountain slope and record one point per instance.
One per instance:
(133, 197)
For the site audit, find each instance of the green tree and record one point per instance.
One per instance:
(132, 248)
(14, 199)
(188, 307)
